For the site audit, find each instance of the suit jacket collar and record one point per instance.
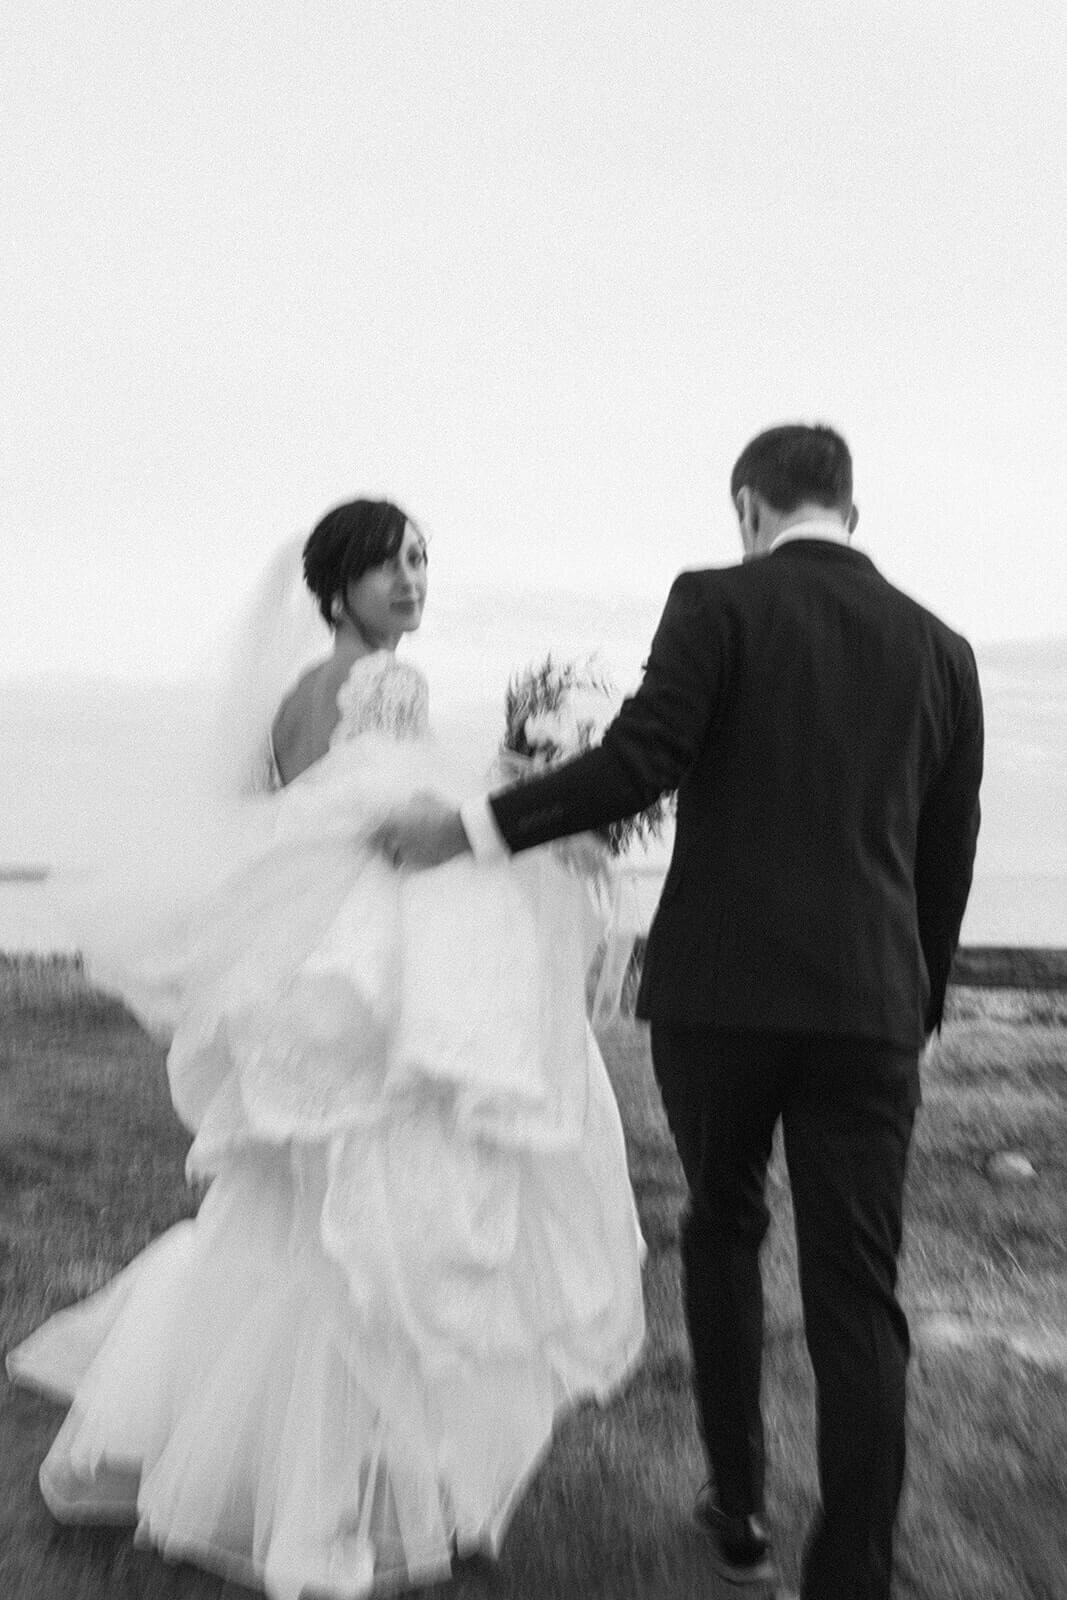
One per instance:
(821, 550)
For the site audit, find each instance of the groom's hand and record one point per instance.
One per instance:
(423, 833)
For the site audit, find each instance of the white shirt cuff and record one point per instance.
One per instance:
(479, 824)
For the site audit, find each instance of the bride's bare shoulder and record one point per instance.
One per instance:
(306, 717)
(308, 690)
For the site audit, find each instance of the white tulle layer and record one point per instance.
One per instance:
(419, 1241)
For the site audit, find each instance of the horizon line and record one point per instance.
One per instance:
(191, 674)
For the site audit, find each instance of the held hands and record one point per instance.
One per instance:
(427, 831)
(424, 832)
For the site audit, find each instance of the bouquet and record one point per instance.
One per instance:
(555, 711)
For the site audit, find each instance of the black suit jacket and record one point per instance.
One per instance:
(824, 733)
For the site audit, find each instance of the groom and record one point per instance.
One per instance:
(824, 733)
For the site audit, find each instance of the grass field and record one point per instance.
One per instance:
(91, 1162)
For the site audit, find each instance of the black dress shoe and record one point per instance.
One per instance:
(741, 1546)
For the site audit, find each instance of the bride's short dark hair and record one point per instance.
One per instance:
(796, 463)
(349, 541)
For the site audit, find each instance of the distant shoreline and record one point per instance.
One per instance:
(1035, 967)
(1009, 967)
(1018, 939)
(990, 966)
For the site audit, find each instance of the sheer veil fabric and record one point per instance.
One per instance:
(277, 636)
(202, 787)
(418, 1243)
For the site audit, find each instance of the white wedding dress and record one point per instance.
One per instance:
(419, 1242)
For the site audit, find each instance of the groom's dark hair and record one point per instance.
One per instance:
(349, 541)
(796, 463)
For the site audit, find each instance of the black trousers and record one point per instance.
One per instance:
(847, 1107)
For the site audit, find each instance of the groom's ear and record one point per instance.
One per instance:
(853, 518)
(748, 511)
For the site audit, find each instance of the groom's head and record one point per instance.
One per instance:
(787, 474)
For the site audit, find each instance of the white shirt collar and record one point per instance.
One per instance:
(827, 528)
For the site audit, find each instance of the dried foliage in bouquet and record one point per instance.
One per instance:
(554, 711)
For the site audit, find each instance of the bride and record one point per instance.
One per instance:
(418, 1243)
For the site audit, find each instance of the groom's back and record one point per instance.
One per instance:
(792, 899)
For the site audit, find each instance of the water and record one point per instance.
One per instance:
(28, 920)
(1021, 909)
(81, 762)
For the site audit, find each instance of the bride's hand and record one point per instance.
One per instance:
(425, 832)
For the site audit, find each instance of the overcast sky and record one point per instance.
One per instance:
(535, 271)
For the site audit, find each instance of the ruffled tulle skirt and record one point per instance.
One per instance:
(418, 1244)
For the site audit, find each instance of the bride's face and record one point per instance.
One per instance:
(387, 600)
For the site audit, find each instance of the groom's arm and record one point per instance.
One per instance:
(946, 842)
(657, 735)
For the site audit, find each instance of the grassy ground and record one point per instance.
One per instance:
(91, 1169)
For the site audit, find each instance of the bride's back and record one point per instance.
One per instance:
(307, 717)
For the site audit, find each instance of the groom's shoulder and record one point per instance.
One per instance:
(937, 630)
(696, 591)
(743, 584)
(716, 584)
(709, 595)
(940, 652)
(706, 580)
